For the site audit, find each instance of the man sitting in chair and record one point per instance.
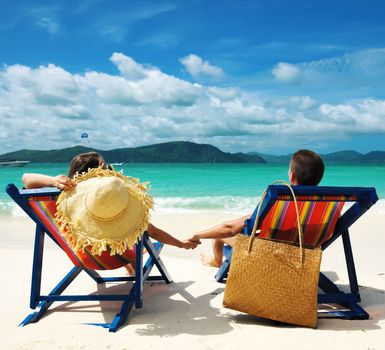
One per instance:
(306, 168)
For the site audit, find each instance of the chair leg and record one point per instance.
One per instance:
(35, 316)
(37, 267)
(335, 296)
(155, 259)
(141, 275)
(350, 264)
(94, 275)
(327, 285)
(45, 304)
(121, 317)
(223, 270)
(134, 297)
(139, 278)
(346, 300)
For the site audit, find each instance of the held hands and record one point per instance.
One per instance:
(194, 239)
(188, 244)
(63, 182)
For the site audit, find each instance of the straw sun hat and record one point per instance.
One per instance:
(105, 211)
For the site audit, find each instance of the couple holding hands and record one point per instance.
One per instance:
(104, 209)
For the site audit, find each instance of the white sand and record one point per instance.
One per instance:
(188, 313)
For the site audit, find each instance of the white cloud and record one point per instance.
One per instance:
(361, 62)
(294, 102)
(115, 25)
(196, 66)
(128, 67)
(48, 24)
(48, 107)
(350, 76)
(223, 93)
(359, 117)
(142, 85)
(113, 33)
(286, 72)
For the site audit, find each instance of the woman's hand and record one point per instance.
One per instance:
(33, 180)
(63, 182)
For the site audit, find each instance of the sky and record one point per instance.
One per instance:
(248, 76)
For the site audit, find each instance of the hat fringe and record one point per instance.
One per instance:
(79, 241)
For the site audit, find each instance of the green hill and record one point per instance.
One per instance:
(170, 152)
(52, 156)
(375, 157)
(186, 152)
(341, 157)
(273, 159)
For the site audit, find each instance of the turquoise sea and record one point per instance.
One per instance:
(234, 187)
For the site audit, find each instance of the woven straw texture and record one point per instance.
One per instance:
(271, 282)
(84, 231)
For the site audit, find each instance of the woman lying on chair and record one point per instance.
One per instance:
(306, 168)
(80, 165)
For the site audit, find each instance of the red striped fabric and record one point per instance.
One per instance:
(45, 209)
(326, 198)
(318, 220)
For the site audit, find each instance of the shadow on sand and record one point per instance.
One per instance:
(170, 309)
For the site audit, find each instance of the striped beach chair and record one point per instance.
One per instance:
(40, 205)
(324, 220)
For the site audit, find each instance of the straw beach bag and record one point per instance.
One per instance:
(274, 279)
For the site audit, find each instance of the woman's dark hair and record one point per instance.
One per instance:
(84, 161)
(307, 167)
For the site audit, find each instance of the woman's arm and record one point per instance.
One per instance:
(61, 182)
(166, 238)
(224, 230)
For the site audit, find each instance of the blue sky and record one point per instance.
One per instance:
(268, 76)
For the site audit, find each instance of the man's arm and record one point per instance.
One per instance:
(224, 230)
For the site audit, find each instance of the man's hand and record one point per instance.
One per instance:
(194, 239)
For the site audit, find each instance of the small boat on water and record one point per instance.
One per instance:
(117, 164)
(13, 163)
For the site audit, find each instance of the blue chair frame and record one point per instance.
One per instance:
(43, 302)
(365, 198)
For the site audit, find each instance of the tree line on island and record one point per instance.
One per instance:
(183, 152)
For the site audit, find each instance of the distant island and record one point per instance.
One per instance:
(169, 152)
(184, 152)
(341, 157)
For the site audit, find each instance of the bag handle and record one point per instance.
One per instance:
(300, 233)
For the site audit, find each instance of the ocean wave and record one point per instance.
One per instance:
(8, 208)
(236, 204)
(227, 203)
(215, 203)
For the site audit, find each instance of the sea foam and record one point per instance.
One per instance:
(236, 204)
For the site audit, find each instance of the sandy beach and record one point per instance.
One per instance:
(188, 313)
